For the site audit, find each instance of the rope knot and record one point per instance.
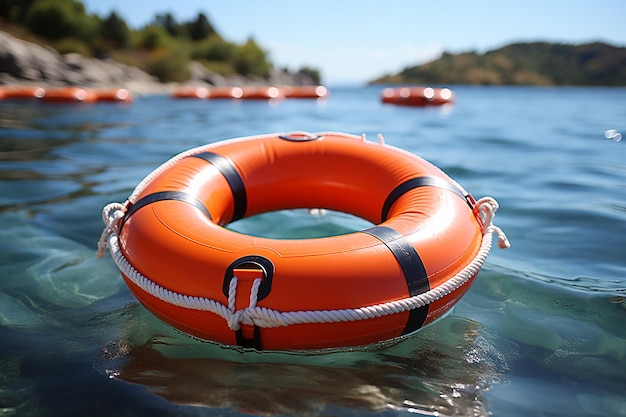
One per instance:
(244, 315)
(111, 214)
(234, 320)
(486, 208)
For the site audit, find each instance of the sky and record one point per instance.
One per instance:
(355, 41)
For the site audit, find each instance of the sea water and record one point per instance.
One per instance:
(542, 332)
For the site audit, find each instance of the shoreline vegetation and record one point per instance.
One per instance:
(54, 43)
(530, 64)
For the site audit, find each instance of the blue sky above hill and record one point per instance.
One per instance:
(355, 41)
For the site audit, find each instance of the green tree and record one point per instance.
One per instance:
(170, 65)
(170, 24)
(5, 7)
(114, 31)
(250, 59)
(214, 48)
(200, 28)
(56, 19)
(15, 10)
(153, 37)
(313, 73)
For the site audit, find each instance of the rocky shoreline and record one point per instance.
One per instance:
(26, 63)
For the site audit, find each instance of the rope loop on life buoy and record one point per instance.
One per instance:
(111, 214)
(486, 208)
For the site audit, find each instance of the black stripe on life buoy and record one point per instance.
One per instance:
(228, 170)
(407, 257)
(416, 183)
(166, 195)
(412, 266)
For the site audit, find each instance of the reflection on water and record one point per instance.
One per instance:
(444, 369)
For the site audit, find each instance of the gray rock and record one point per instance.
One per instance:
(23, 62)
(28, 61)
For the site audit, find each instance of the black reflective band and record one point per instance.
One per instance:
(226, 167)
(166, 195)
(407, 257)
(416, 183)
(412, 266)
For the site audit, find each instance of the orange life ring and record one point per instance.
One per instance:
(225, 92)
(191, 92)
(425, 249)
(262, 93)
(69, 95)
(418, 96)
(23, 92)
(305, 91)
(114, 95)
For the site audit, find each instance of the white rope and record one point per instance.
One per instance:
(487, 207)
(268, 318)
(111, 213)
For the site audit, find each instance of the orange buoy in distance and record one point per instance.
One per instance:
(69, 95)
(305, 91)
(226, 92)
(417, 96)
(191, 92)
(23, 92)
(114, 95)
(262, 93)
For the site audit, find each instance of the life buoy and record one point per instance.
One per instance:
(262, 93)
(428, 241)
(417, 96)
(114, 95)
(69, 95)
(191, 92)
(23, 92)
(305, 91)
(225, 92)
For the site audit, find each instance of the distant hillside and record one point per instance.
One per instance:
(537, 63)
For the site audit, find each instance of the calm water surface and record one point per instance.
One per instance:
(541, 333)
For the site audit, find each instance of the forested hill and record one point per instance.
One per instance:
(537, 63)
(164, 48)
